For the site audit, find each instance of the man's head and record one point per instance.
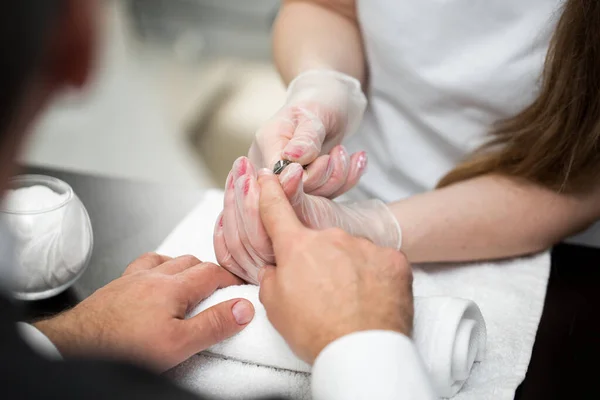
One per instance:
(45, 46)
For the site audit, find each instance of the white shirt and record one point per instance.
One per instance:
(380, 365)
(441, 73)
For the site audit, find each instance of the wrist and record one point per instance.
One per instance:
(65, 331)
(373, 220)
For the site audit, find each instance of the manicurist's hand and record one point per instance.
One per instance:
(328, 284)
(322, 107)
(139, 317)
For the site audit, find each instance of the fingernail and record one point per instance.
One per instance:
(290, 172)
(264, 172)
(246, 187)
(362, 162)
(221, 221)
(242, 167)
(294, 152)
(242, 312)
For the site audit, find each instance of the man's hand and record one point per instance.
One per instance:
(328, 284)
(140, 316)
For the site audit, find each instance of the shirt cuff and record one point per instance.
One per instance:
(38, 341)
(381, 365)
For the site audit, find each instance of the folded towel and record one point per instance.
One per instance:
(448, 332)
(510, 295)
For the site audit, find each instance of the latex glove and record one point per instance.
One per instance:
(241, 243)
(322, 107)
(371, 219)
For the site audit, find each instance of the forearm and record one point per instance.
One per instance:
(487, 218)
(318, 34)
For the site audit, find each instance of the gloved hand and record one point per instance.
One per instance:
(241, 243)
(322, 107)
(370, 219)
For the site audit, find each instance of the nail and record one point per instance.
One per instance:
(362, 162)
(242, 312)
(242, 166)
(290, 172)
(221, 220)
(246, 187)
(264, 172)
(294, 153)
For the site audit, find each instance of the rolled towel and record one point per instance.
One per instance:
(449, 333)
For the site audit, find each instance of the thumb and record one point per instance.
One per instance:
(307, 140)
(218, 323)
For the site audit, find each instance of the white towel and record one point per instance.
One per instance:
(510, 295)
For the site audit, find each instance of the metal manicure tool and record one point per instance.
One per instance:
(280, 166)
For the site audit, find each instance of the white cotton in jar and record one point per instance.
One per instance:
(52, 237)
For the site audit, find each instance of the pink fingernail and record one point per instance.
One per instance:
(242, 312)
(295, 153)
(362, 161)
(229, 183)
(242, 167)
(246, 186)
(221, 221)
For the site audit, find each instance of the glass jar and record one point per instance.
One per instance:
(52, 234)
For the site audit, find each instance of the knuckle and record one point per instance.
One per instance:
(188, 258)
(399, 263)
(218, 324)
(337, 234)
(152, 256)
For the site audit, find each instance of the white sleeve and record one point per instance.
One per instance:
(38, 341)
(381, 365)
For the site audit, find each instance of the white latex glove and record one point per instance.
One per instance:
(241, 243)
(370, 219)
(322, 107)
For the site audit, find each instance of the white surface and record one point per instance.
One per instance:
(510, 295)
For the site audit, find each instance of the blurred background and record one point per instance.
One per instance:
(179, 90)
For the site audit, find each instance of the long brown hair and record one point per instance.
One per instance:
(554, 142)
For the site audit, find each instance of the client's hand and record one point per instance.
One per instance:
(240, 241)
(140, 316)
(328, 284)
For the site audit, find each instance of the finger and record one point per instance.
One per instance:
(276, 212)
(178, 264)
(216, 324)
(358, 166)
(145, 262)
(317, 173)
(305, 145)
(272, 138)
(231, 229)
(251, 230)
(267, 285)
(341, 164)
(223, 255)
(202, 280)
(293, 187)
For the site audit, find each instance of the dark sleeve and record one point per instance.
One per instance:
(26, 375)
